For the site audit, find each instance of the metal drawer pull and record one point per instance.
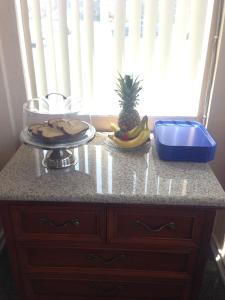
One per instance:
(170, 225)
(106, 291)
(109, 261)
(73, 221)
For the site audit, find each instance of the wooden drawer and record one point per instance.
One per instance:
(53, 288)
(35, 258)
(81, 223)
(147, 226)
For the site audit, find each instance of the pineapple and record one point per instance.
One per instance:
(128, 90)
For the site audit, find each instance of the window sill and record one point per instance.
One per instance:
(102, 123)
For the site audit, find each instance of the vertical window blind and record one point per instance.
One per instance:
(78, 47)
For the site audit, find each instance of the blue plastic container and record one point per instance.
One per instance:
(184, 141)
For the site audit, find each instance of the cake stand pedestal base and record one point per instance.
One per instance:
(58, 159)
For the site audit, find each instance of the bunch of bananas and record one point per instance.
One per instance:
(132, 138)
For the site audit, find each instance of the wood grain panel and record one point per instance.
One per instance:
(80, 223)
(40, 288)
(33, 257)
(146, 227)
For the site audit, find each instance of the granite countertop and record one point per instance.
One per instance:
(103, 175)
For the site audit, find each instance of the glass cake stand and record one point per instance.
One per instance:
(58, 155)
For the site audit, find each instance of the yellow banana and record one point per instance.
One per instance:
(138, 141)
(114, 127)
(137, 129)
(134, 132)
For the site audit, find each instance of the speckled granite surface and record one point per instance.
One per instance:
(104, 175)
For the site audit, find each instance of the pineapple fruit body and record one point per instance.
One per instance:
(128, 119)
(128, 90)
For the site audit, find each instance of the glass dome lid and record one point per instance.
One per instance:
(52, 106)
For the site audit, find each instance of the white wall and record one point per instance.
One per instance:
(12, 86)
(216, 121)
(216, 126)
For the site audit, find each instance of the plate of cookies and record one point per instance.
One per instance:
(58, 133)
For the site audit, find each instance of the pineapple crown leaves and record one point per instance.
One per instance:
(128, 90)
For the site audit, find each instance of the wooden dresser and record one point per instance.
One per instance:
(116, 226)
(94, 251)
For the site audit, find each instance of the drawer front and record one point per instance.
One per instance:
(47, 288)
(84, 224)
(146, 226)
(36, 257)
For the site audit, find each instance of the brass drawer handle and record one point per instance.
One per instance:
(170, 225)
(109, 261)
(74, 221)
(106, 291)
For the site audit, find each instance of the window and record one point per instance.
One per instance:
(77, 47)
